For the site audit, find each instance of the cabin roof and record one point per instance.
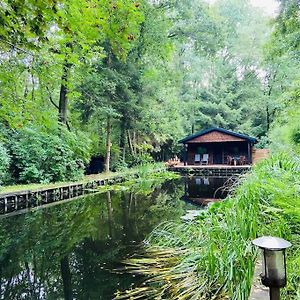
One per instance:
(222, 130)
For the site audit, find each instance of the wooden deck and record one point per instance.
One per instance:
(182, 166)
(211, 170)
(29, 199)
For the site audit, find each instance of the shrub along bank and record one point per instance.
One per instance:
(41, 156)
(142, 174)
(212, 257)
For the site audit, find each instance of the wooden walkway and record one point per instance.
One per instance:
(258, 291)
(28, 199)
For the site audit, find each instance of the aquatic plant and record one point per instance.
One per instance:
(142, 178)
(212, 257)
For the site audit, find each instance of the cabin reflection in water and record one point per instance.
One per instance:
(203, 190)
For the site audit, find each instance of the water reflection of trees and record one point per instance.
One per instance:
(67, 251)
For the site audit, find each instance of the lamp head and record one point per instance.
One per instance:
(274, 264)
(271, 243)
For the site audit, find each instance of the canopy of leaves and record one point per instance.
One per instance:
(159, 70)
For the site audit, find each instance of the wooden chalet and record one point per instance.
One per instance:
(217, 146)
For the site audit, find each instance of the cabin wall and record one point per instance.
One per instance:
(192, 150)
(218, 151)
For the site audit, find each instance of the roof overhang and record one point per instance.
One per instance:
(245, 137)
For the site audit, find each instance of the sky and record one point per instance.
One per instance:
(270, 7)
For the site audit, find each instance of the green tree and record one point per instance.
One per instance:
(282, 54)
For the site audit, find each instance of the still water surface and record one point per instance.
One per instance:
(69, 251)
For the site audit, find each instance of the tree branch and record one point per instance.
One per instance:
(50, 97)
(55, 105)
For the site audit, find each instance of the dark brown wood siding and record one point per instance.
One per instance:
(218, 151)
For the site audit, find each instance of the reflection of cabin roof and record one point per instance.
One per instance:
(221, 130)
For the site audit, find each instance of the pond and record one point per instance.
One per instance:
(73, 250)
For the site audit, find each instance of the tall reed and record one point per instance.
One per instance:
(212, 257)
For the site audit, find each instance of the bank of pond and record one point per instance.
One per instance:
(134, 237)
(74, 249)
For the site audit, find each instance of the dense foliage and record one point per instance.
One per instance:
(135, 76)
(283, 52)
(47, 156)
(4, 163)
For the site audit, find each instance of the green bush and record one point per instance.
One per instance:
(4, 163)
(44, 156)
(120, 165)
(263, 142)
(285, 133)
(139, 159)
(295, 135)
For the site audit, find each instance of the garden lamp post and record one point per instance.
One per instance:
(273, 263)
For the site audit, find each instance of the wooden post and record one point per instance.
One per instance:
(5, 204)
(249, 153)
(26, 198)
(274, 294)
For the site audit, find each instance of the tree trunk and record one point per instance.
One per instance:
(63, 94)
(268, 117)
(125, 218)
(130, 143)
(134, 143)
(30, 283)
(269, 93)
(123, 139)
(110, 214)
(108, 144)
(66, 278)
(33, 86)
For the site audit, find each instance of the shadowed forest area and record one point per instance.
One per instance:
(122, 81)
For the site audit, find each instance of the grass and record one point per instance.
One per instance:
(35, 186)
(142, 171)
(212, 257)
